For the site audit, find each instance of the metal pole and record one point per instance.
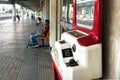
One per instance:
(13, 12)
(22, 12)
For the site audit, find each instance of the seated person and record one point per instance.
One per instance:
(40, 33)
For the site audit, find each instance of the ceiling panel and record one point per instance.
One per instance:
(34, 5)
(31, 4)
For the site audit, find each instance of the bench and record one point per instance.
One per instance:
(43, 39)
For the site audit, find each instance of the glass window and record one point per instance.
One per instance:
(67, 11)
(85, 13)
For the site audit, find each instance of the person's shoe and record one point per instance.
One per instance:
(34, 46)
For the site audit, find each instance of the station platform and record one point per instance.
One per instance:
(18, 62)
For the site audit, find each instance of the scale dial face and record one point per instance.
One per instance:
(67, 52)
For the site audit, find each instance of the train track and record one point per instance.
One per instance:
(5, 17)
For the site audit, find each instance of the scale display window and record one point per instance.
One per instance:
(85, 13)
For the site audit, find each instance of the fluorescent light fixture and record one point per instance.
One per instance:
(4, 0)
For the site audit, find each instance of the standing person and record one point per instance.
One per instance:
(32, 16)
(18, 17)
(40, 33)
(27, 14)
(38, 21)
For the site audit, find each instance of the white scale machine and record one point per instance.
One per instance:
(78, 55)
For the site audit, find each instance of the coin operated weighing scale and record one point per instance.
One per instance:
(78, 55)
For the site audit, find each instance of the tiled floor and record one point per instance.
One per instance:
(18, 62)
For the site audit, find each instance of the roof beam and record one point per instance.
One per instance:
(6, 2)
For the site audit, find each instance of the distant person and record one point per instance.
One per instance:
(27, 14)
(40, 33)
(38, 21)
(32, 16)
(18, 17)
